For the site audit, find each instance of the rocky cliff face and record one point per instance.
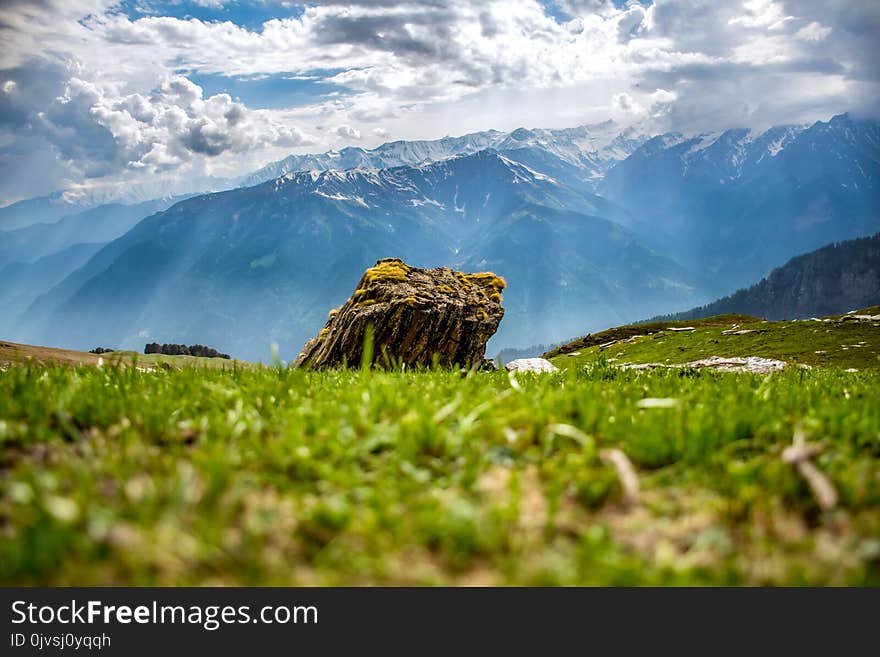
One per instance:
(414, 317)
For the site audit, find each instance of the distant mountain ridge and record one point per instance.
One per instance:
(43, 209)
(243, 268)
(829, 281)
(589, 149)
(592, 226)
(96, 225)
(734, 205)
(52, 207)
(581, 153)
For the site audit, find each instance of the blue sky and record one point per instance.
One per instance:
(251, 15)
(275, 91)
(107, 94)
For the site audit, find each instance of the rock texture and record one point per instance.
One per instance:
(754, 364)
(415, 315)
(531, 365)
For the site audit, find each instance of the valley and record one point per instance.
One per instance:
(593, 210)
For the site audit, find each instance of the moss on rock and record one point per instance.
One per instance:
(416, 316)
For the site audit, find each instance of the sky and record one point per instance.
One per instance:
(109, 94)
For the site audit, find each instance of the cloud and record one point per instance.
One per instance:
(97, 130)
(111, 92)
(765, 14)
(659, 103)
(623, 101)
(632, 23)
(582, 7)
(813, 32)
(348, 132)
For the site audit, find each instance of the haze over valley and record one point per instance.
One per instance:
(176, 193)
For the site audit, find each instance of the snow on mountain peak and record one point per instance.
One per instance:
(594, 147)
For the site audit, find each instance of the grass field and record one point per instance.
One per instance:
(831, 341)
(12, 353)
(114, 475)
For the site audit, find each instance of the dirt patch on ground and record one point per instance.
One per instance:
(13, 353)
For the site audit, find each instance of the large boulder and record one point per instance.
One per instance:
(415, 316)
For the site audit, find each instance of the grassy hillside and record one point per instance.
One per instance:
(114, 475)
(13, 353)
(829, 342)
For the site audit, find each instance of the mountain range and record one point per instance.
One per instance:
(37, 257)
(582, 154)
(272, 259)
(736, 204)
(592, 227)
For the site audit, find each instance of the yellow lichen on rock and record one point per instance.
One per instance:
(389, 269)
(486, 279)
(488, 282)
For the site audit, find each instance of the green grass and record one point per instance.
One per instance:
(18, 354)
(836, 342)
(177, 362)
(275, 476)
(644, 328)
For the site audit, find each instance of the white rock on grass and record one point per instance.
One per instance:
(657, 402)
(531, 365)
(753, 364)
(747, 364)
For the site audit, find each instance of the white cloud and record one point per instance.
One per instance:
(765, 14)
(813, 32)
(509, 62)
(658, 103)
(347, 132)
(96, 126)
(662, 96)
(624, 101)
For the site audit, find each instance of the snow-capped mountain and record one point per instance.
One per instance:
(592, 226)
(737, 204)
(720, 156)
(590, 149)
(243, 268)
(577, 154)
